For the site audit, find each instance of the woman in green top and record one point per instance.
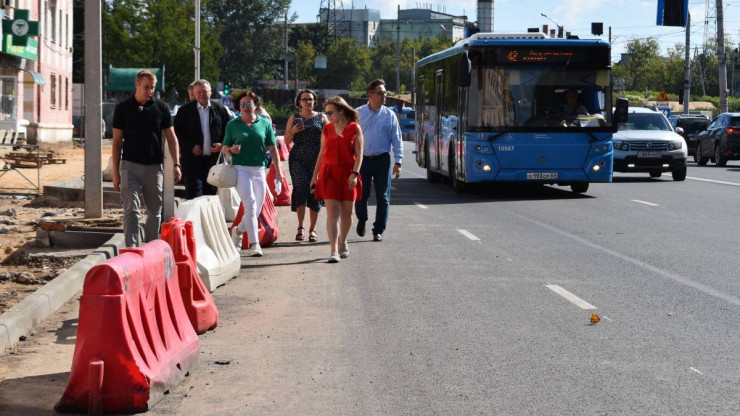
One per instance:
(248, 138)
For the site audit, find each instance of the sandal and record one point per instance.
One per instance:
(299, 235)
(312, 236)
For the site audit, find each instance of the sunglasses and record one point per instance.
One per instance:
(307, 100)
(383, 93)
(249, 104)
(329, 113)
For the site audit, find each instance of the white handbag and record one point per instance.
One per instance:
(222, 174)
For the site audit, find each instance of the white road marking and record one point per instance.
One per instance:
(734, 300)
(644, 202)
(422, 206)
(606, 317)
(414, 174)
(694, 369)
(466, 233)
(713, 181)
(571, 297)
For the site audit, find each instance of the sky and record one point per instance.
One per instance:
(629, 19)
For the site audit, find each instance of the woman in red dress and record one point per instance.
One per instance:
(336, 177)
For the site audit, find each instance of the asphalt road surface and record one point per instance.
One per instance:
(481, 303)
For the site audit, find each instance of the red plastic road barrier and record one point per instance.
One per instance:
(134, 340)
(267, 228)
(198, 301)
(283, 198)
(283, 149)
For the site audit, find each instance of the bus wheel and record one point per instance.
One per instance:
(431, 176)
(580, 187)
(458, 186)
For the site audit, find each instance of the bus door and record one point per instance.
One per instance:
(435, 155)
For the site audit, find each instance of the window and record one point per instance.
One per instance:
(60, 91)
(66, 93)
(53, 98)
(8, 83)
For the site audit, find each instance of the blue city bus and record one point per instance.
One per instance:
(407, 122)
(490, 109)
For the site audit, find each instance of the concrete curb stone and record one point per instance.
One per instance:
(34, 309)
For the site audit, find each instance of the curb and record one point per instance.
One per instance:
(34, 309)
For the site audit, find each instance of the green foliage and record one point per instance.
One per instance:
(251, 36)
(279, 115)
(347, 66)
(155, 33)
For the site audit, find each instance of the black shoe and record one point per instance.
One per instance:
(361, 228)
(377, 237)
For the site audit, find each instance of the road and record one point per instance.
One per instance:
(480, 303)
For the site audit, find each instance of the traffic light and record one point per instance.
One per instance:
(227, 88)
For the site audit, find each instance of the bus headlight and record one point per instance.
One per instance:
(486, 168)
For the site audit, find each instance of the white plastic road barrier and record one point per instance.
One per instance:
(230, 201)
(218, 259)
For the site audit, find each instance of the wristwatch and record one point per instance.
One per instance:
(398, 164)
(356, 173)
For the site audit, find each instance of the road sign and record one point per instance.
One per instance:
(663, 96)
(663, 106)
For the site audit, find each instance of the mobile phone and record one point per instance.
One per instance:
(298, 122)
(312, 190)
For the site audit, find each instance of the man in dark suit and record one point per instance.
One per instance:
(200, 126)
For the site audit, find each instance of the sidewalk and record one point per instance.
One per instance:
(34, 375)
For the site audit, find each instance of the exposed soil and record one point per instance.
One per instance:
(24, 267)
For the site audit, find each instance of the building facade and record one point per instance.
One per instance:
(36, 78)
(366, 27)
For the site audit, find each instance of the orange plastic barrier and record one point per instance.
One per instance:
(282, 148)
(267, 231)
(134, 339)
(283, 198)
(198, 301)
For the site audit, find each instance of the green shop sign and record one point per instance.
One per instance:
(30, 51)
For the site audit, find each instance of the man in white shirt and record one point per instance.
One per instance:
(200, 126)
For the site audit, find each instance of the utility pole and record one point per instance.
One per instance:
(687, 67)
(398, 50)
(93, 110)
(196, 49)
(285, 55)
(413, 77)
(721, 59)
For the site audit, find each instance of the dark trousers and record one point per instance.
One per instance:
(195, 180)
(375, 171)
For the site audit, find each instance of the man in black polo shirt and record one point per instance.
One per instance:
(138, 123)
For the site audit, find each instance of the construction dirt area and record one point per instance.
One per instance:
(25, 264)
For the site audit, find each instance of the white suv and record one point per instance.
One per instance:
(647, 143)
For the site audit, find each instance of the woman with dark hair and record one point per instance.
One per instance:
(248, 138)
(304, 131)
(336, 175)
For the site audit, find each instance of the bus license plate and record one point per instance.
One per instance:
(542, 175)
(649, 155)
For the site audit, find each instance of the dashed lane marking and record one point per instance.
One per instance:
(644, 202)
(466, 233)
(693, 178)
(571, 297)
(422, 206)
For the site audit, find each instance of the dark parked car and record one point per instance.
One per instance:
(720, 142)
(692, 125)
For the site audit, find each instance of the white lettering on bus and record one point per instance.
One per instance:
(506, 148)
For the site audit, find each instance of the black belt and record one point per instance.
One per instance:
(375, 157)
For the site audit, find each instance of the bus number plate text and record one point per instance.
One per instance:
(542, 175)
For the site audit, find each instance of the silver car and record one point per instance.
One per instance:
(647, 143)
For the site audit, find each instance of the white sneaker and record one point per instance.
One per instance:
(334, 258)
(343, 250)
(236, 238)
(255, 250)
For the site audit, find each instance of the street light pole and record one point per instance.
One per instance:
(196, 49)
(560, 28)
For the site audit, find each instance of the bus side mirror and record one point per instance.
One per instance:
(620, 112)
(463, 70)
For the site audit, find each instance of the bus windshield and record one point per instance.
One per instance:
(538, 97)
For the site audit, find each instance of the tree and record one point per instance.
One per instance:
(347, 66)
(155, 33)
(251, 36)
(644, 67)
